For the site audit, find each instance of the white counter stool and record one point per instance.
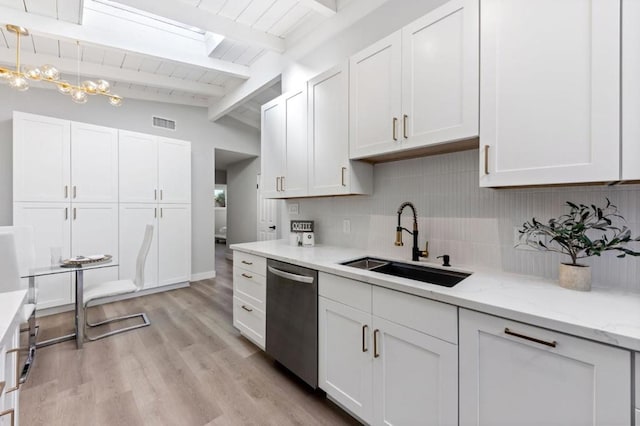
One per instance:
(94, 294)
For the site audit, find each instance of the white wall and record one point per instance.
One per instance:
(242, 201)
(191, 125)
(474, 225)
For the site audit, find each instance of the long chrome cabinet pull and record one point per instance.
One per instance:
(10, 411)
(161, 191)
(405, 117)
(66, 191)
(247, 263)
(155, 212)
(531, 339)
(17, 386)
(364, 338)
(75, 191)
(74, 213)
(282, 183)
(344, 169)
(486, 159)
(376, 354)
(247, 309)
(277, 183)
(395, 128)
(247, 275)
(155, 194)
(66, 213)
(161, 212)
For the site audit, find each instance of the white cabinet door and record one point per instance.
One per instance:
(440, 81)
(550, 91)
(41, 153)
(415, 377)
(330, 170)
(294, 181)
(375, 98)
(345, 356)
(94, 163)
(94, 230)
(630, 90)
(272, 147)
(138, 167)
(510, 379)
(174, 244)
(133, 220)
(174, 170)
(51, 224)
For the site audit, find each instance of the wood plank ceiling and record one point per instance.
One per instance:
(136, 74)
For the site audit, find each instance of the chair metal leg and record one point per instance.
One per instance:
(145, 323)
(31, 348)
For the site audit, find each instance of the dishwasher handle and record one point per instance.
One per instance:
(289, 276)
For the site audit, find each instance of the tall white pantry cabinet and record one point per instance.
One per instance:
(90, 189)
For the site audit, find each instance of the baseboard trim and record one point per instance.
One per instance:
(203, 275)
(70, 307)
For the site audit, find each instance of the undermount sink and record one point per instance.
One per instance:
(405, 270)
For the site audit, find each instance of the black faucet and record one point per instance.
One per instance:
(416, 253)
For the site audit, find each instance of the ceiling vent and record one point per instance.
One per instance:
(164, 123)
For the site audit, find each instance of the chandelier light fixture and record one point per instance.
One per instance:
(19, 78)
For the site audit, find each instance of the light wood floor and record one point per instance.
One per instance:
(190, 367)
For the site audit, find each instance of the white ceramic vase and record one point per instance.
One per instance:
(575, 277)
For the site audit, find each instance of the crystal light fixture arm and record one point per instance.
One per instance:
(18, 78)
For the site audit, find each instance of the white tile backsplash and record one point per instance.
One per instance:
(474, 225)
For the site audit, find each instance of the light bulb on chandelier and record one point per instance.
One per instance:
(19, 78)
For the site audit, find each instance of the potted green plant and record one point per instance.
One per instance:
(583, 232)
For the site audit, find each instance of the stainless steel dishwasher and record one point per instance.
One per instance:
(292, 318)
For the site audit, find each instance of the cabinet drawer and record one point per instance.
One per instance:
(250, 321)
(349, 292)
(250, 262)
(433, 318)
(250, 287)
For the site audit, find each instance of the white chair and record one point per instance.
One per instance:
(96, 293)
(10, 281)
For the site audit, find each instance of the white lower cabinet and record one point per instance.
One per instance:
(51, 224)
(345, 363)
(174, 243)
(383, 370)
(250, 296)
(516, 374)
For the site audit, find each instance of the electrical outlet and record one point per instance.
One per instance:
(294, 208)
(346, 226)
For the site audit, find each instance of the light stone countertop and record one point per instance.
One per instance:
(10, 303)
(606, 316)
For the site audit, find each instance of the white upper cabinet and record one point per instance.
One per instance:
(440, 85)
(375, 103)
(514, 374)
(549, 91)
(272, 147)
(631, 91)
(41, 158)
(294, 181)
(94, 163)
(417, 87)
(138, 155)
(284, 146)
(330, 170)
(174, 170)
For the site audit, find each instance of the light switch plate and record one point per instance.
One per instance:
(294, 208)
